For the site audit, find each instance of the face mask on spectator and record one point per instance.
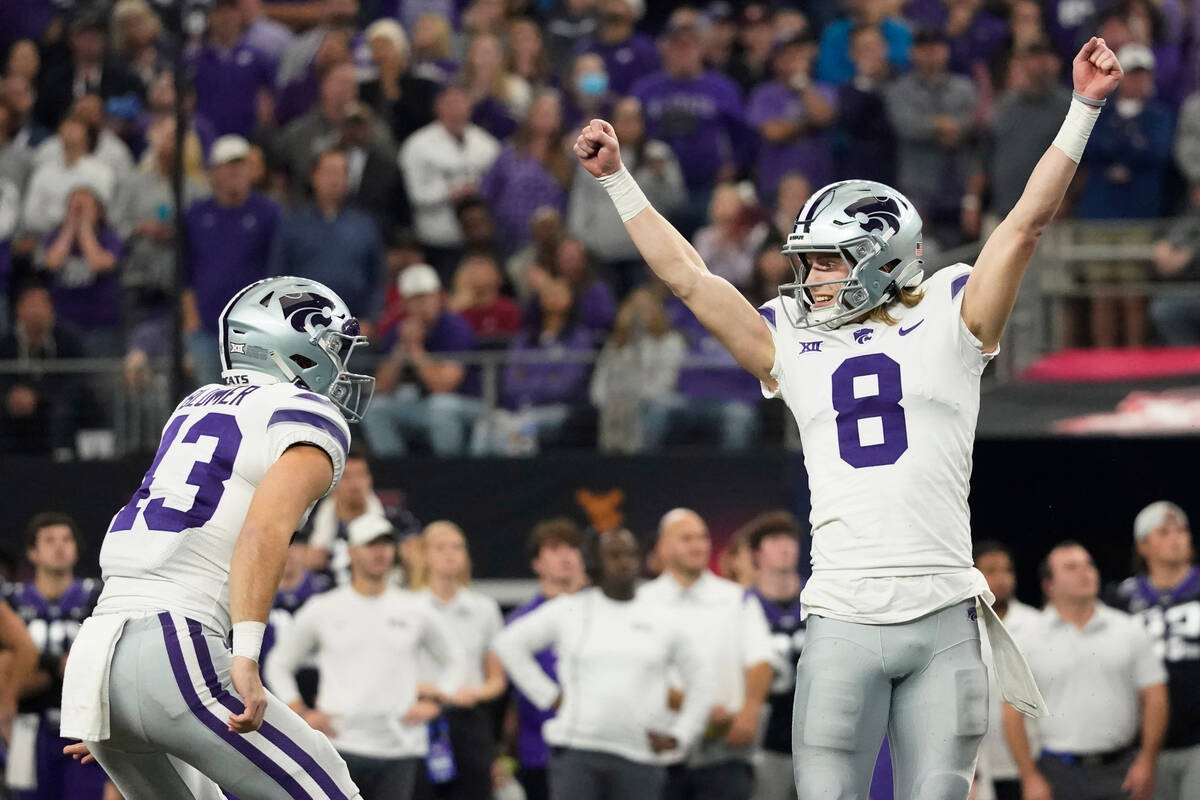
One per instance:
(593, 84)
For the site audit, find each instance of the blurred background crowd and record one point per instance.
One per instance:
(649, 665)
(414, 157)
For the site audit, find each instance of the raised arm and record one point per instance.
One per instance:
(294, 482)
(716, 303)
(992, 288)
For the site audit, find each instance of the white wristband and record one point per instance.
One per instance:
(1076, 128)
(626, 195)
(247, 639)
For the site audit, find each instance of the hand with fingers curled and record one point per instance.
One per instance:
(598, 149)
(1096, 73)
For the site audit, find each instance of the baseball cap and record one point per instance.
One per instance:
(367, 528)
(1135, 56)
(1155, 515)
(418, 279)
(230, 147)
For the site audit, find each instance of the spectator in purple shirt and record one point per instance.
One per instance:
(555, 557)
(530, 172)
(233, 80)
(82, 256)
(297, 97)
(706, 398)
(595, 303)
(418, 394)
(627, 54)
(792, 114)
(498, 97)
(974, 34)
(544, 392)
(698, 113)
(229, 239)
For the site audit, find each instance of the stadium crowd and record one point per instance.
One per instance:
(412, 156)
(630, 673)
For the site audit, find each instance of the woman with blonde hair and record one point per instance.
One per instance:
(432, 49)
(137, 39)
(473, 619)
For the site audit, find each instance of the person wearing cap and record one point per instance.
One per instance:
(792, 115)
(473, 619)
(627, 54)
(89, 70)
(1131, 147)
(367, 639)
(229, 239)
(751, 63)
(1104, 685)
(1128, 162)
(81, 257)
(1026, 119)
(443, 162)
(933, 113)
(418, 393)
(1165, 595)
(834, 65)
(334, 244)
(697, 112)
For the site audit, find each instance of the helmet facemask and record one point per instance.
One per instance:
(349, 391)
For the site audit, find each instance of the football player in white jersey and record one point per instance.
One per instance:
(881, 372)
(198, 551)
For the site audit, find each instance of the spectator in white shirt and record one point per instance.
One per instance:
(366, 637)
(442, 163)
(996, 764)
(729, 630)
(614, 649)
(1099, 672)
(54, 180)
(474, 620)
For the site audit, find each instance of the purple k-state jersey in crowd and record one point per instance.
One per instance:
(702, 119)
(532, 750)
(52, 624)
(1172, 617)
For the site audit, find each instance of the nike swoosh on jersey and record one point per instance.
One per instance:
(907, 331)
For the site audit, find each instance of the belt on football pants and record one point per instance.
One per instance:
(1089, 759)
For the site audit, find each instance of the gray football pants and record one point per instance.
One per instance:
(922, 682)
(169, 693)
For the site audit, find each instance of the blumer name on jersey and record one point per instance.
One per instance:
(218, 397)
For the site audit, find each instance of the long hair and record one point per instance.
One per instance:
(907, 297)
(556, 161)
(422, 577)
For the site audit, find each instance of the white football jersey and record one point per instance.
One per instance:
(887, 416)
(170, 547)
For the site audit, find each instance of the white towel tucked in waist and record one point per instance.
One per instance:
(1013, 675)
(85, 682)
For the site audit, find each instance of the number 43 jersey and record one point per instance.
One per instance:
(887, 417)
(170, 547)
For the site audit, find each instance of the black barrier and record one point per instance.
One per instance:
(1027, 493)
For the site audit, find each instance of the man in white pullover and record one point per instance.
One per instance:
(366, 637)
(614, 649)
(730, 632)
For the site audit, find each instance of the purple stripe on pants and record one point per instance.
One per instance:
(269, 731)
(210, 721)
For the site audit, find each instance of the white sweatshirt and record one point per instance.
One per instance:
(613, 659)
(367, 655)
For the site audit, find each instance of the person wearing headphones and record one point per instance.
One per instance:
(614, 649)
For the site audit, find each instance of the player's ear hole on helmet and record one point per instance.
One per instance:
(889, 266)
(302, 361)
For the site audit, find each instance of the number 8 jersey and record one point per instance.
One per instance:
(170, 547)
(887, 417)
